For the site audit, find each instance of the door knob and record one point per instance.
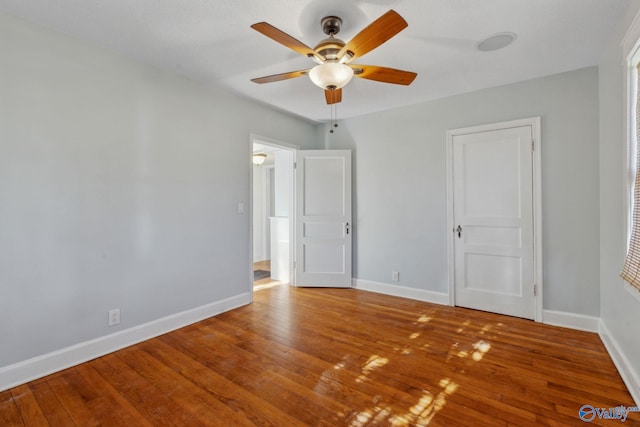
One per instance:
(459, 230)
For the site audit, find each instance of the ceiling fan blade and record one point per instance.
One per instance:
(376, 33)
(333, 96)
(279, 77)
(285, 40)
(383, 74)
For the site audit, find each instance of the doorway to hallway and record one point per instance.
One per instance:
(272, 213)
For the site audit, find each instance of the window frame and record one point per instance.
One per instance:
(630, 160)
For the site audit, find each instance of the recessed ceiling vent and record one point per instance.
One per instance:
(496, 41)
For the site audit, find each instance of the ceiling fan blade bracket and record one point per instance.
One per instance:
(346, 57)
(316, 57)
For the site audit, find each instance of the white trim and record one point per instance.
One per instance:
(40, 366)
(564, 319)
(535, 123)
(272, 142)
(629, 375)
(450, 222)
(537, 215)
(631, 40)
(401, 291)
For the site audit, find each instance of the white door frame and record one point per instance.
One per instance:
(254, 138)
(534, 122)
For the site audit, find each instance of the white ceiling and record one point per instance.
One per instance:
(210, 41)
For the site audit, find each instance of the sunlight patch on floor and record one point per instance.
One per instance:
(419, 414)
(266, 286)
(373, 363)
(430, 403)
(481, 348)
(373, 416)
(427, 406)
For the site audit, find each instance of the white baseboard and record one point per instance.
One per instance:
(629, 375)
(402, 291)
(580, 322)
(40, 366)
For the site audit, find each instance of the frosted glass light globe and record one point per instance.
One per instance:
(331, 75)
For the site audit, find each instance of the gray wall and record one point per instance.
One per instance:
(400, 182)
(119, 187)
(620, 311)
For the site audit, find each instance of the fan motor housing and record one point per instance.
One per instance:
(329, 47)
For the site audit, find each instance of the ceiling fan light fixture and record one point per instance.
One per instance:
(331, 75)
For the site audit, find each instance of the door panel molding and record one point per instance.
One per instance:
(535, 124)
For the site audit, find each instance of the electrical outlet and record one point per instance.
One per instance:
(114, 317)
(395, 276)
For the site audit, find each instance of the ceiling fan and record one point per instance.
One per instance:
(333, 56)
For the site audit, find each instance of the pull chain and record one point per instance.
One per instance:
(333, 121)
(332, 111)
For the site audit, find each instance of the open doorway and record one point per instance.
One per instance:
(272, 210)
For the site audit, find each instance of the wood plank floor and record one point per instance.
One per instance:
(335, 357)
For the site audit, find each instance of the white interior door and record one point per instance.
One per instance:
(323, 218)
(493, 206)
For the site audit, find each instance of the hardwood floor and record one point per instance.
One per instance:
(334, 357)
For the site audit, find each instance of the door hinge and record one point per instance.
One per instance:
(295, 165)
(533, 145)
(535, 290)
(294, 265)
